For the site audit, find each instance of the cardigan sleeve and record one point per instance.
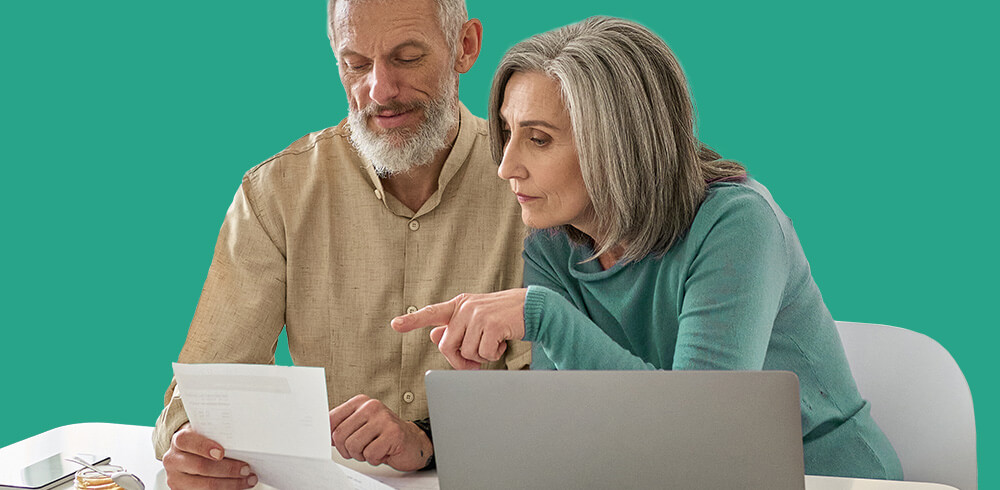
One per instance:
(570, 340)
(732, 293)
(733, 289)
(562, 336)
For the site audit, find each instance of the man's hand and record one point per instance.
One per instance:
(195, 462)
(366, 430)
(475, 327)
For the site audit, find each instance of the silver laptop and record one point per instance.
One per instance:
(616, 429)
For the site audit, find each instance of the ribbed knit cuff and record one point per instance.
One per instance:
(534, 307)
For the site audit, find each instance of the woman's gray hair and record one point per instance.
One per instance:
(633, 126)
(452, 14)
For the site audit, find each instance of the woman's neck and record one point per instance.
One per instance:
(607, 259)
(611, 257)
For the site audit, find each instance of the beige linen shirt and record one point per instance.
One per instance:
(313, 243)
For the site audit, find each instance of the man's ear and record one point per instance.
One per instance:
(470, 41)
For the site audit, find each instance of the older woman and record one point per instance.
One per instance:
(659, 254)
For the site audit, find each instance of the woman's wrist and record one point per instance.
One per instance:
(534, 309)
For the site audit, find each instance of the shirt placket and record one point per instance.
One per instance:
(411, 351)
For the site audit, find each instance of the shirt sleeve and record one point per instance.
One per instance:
(517, 356)
(242, 307)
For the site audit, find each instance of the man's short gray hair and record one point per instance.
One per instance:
(452, 14)
(633, 125)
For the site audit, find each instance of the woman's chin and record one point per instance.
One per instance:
(537, 222)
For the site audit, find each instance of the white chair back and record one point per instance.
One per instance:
(919, 398)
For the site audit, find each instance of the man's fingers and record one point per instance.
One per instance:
(344, 410)
(431, 315)
(357, 442)
(344, 420)
(196, 482)
(377, 451)
(345, 431)
(189, 441)
(193, 464)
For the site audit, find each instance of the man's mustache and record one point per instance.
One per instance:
(394, 107)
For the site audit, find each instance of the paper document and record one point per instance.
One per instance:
(273, 417)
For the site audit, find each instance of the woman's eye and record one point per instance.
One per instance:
(539, 141)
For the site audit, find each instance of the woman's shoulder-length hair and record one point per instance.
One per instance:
(633, 125)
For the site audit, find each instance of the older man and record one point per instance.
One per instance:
(395, 208)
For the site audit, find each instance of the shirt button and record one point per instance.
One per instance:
(411, 309)
(378, 194)
(414, 225)
(408, 397)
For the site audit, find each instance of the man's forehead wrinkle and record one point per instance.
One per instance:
(340, 18)
(349, 24)
(355, 25)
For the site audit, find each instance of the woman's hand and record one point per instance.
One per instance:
(471, 328)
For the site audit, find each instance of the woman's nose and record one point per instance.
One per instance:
(510, 164)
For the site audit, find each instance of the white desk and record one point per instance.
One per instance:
(131, 447)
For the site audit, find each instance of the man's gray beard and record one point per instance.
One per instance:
(398, 150)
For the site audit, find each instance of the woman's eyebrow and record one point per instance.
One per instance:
(537, 122)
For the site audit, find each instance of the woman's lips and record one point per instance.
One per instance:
(523, 198)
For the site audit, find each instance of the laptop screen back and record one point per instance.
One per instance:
(616, 429)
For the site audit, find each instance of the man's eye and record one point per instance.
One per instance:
(356, 66)
(410, 60)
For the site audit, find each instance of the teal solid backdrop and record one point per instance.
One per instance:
(126, 127)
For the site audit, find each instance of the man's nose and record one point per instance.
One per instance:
(383, 84)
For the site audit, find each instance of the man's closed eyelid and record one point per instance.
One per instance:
(355, 66)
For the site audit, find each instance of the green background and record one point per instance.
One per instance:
(128, 125)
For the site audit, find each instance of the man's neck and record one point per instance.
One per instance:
(415, 186)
